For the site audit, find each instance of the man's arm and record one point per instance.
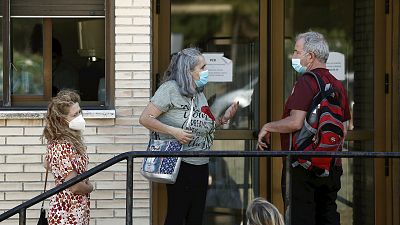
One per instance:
(289, 124)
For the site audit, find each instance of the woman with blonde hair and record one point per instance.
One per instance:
(261, 212)
(66, 158)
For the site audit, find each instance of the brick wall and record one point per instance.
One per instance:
(21, 150)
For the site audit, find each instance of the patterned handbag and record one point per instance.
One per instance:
(163, 169)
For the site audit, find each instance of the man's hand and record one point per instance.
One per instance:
(229, 113)
(264, 138)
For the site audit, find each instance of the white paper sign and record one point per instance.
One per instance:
(219, 67)
(336, 65)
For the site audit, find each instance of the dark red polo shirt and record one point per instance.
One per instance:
(304, 91)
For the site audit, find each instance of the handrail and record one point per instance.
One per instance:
(21, 209)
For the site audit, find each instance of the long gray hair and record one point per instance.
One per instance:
(182, 63)
(315, 42)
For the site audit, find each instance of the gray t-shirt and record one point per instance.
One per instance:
(176, 109)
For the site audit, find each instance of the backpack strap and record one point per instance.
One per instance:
(323, 93)
(320, 82)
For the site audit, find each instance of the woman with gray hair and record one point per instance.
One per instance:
(261, 212)
(167, 114)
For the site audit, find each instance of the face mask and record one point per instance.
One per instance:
(298, 67)
(203, 79)
(78, 123)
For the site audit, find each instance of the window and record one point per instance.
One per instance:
(54, 44)
(1, 48)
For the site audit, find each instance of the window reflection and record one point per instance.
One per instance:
(78, 62)
(230, 28)
(227, 27)
(27, 57)
(77, 58)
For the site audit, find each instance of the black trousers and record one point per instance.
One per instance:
(314, 198)
(187, 197)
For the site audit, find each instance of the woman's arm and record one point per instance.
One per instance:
(148, 120)
(81, 188)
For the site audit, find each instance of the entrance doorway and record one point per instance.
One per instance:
(257, 36)
(229, 30)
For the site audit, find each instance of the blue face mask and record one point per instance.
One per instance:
(298, 67)
(203, 79)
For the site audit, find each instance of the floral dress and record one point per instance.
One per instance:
(66, 207)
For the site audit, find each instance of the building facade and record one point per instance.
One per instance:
(114, 53)
(124, 26)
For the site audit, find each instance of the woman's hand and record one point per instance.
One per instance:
(89, 184)
(229, 113)
(81, 188)
(183, 136)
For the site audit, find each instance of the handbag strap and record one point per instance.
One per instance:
(190, 114)
(45, 185)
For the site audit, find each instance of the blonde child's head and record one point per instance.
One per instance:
(261, 212)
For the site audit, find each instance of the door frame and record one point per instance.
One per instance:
(277, 92)
(395, 111)
(160, 25)
(386, 129)
(392, 166)
(381, 103)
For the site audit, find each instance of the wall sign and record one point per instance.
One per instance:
(219, 67)
(336, 65)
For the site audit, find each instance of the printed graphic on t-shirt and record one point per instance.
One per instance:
(202, 126)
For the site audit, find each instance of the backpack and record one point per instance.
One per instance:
(323, 129)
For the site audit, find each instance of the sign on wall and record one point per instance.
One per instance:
(336, 65)
(219, 67)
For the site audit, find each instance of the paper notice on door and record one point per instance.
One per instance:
(219, 67)
(336, 65)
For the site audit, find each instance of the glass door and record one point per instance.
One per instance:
(228, 33)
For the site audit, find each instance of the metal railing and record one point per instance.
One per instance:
(129, 156)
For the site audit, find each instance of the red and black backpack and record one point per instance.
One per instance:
(323, 129)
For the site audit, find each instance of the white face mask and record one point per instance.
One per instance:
(78, 123)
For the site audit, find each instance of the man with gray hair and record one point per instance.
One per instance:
(313, 196)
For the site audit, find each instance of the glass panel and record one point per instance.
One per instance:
(225, 27)
(230, 28)
(1, 57)
(348, 26)
(232, 184)
(78, 58)
(27, 56)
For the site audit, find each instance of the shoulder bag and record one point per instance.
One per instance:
(163, 169)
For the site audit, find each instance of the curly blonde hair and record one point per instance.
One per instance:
(57, 128)
(261, 212)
